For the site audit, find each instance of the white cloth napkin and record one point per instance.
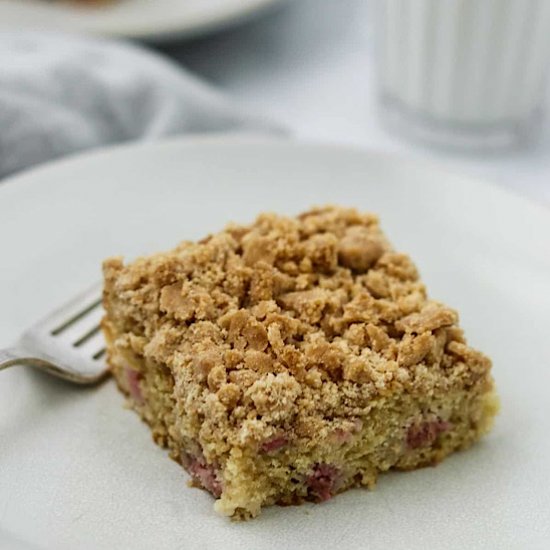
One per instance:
(63, 94)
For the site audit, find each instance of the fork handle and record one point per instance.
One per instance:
(13, 356)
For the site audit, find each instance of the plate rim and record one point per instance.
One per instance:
(172, 29)
(441, 167)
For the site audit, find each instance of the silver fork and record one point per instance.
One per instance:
(68, 343)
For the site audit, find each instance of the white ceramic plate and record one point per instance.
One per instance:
(79, 471)
(145, 19)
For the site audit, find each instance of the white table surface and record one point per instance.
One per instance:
(309, 64)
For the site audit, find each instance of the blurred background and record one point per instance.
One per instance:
(458, 81)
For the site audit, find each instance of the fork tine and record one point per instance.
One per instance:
(86, 337)
(75, 318)
(92, 345)
(67, 343)
(79, 331)
(99, 354)
(71, 312)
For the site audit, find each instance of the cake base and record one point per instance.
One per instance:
(401, 432)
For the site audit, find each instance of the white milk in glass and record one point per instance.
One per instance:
(464, 72)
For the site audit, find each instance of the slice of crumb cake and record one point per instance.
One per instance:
(292, 359)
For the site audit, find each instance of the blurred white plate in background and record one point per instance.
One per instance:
(143, 19)
(77, 470)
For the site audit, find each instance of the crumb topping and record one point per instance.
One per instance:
(316, 314)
